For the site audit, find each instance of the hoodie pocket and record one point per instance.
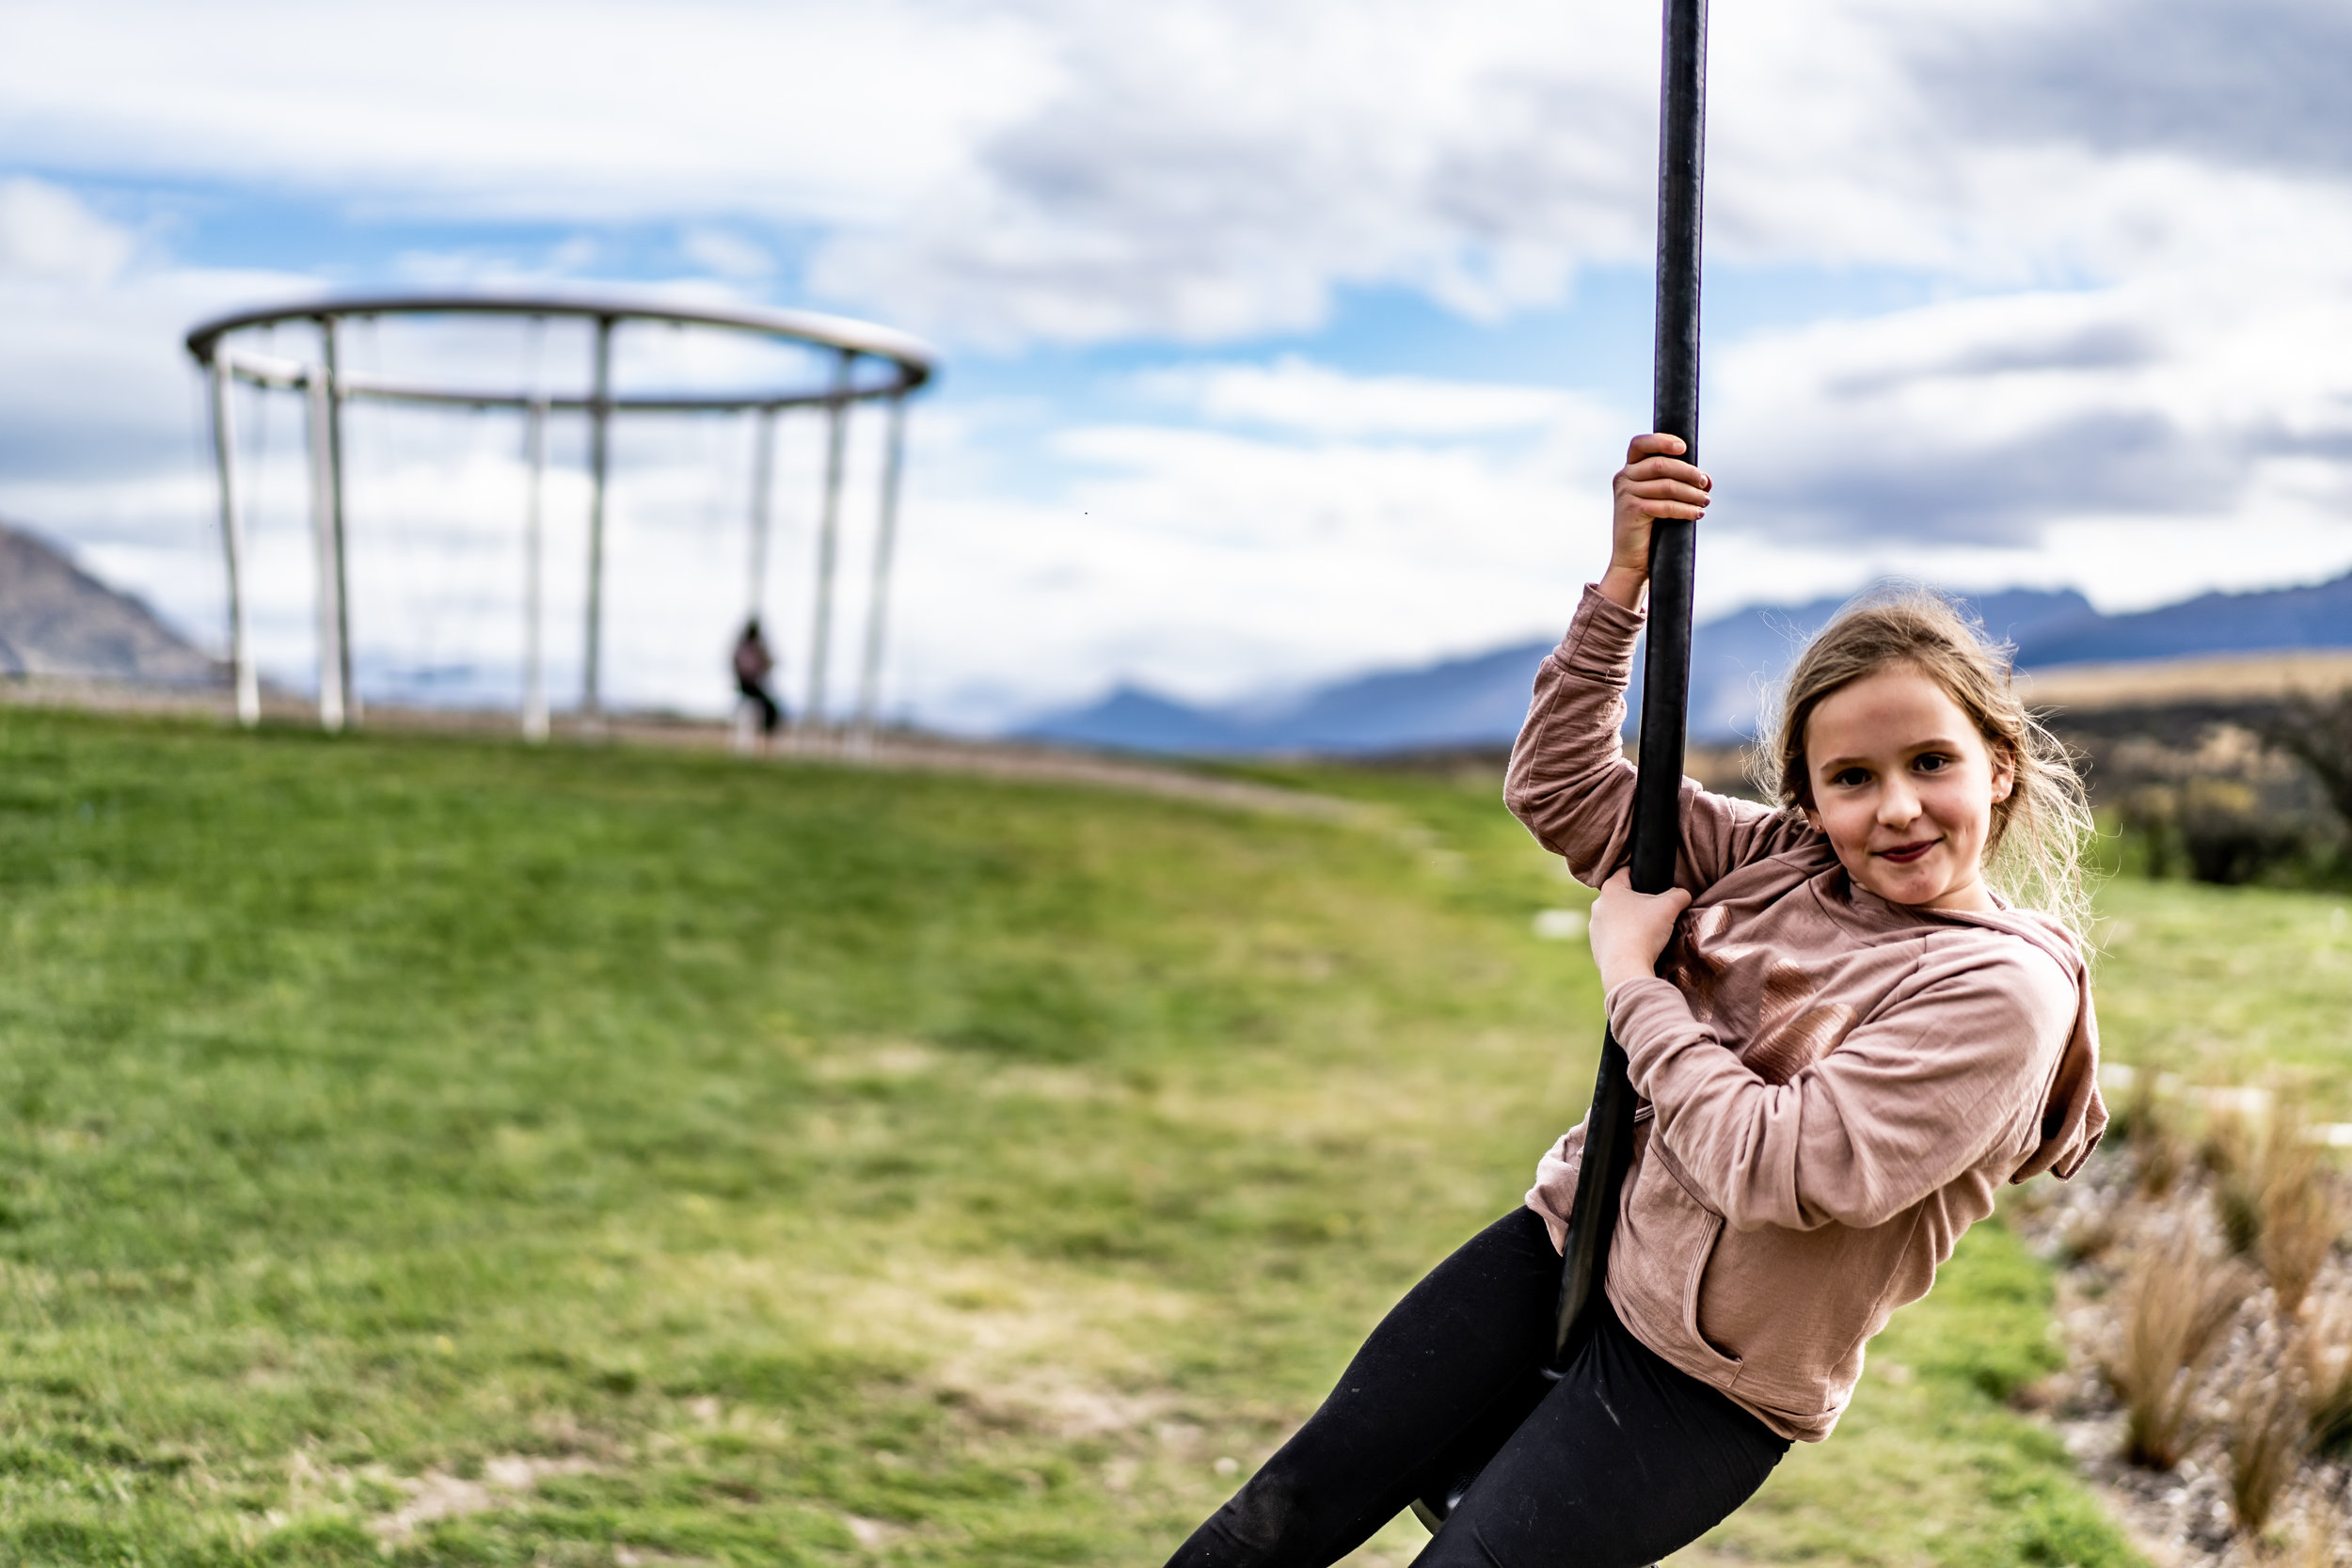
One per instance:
(1667, 1238)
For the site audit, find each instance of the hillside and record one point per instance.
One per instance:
(57, 618)
(431, 1152)
(1478, 701)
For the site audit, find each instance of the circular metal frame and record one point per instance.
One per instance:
(870, 364)
(911, 361)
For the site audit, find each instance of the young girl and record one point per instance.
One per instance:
(1846, 1037)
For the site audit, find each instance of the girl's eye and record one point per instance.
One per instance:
(1931, 763)
(1849, 778)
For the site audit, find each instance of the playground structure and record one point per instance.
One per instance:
(862, 364)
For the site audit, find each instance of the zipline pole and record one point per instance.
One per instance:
(828, 542)
(249, 688)
(600, 464)
(878, 599)
(329, 336)
(324, 543)
(763, 484)
(1666, 672)
(534, 666)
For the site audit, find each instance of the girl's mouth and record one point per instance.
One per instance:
(1908, 853)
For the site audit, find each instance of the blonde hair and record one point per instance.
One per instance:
(2034, 853)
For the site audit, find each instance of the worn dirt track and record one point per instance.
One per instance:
(890, 751)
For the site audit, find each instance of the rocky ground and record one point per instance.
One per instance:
(2100, 1229)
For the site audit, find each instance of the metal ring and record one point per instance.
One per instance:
(913, 362)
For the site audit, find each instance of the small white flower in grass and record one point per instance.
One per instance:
(1560, 924)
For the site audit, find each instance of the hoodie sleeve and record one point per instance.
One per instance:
(1570, 783)
(1958, 1067)
(1555, 1192)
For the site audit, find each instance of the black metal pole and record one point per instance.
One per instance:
(1666, 672)
(1665, 697)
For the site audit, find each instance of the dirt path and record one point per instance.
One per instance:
(897, 752)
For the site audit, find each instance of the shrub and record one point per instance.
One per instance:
(2149, 817)
(2228, 836)
(2318, 734)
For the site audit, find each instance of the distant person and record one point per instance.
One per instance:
(754, 663)
(1858, 1014)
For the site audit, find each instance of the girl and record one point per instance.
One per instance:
(1845, 1035)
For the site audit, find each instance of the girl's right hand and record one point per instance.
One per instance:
(1654, 483)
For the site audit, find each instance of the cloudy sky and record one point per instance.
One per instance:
(1281, 338)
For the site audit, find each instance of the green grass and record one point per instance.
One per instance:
(2230, 985)
(427, 1152)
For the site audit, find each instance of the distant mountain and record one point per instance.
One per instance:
(1479, 701)
(56, 619)
(1735, 657)
(2316, 617)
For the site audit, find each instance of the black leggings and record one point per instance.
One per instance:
(1619, 1463)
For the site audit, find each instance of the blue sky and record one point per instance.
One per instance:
(1282, 340)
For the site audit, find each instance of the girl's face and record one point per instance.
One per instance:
(1903, 784)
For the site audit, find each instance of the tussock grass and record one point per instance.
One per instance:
(2323, 1538)
(2267, 1434)
(2301, 1207)
(2327, 1371)
(2231, 1153)
(2152, 1131)
(2178, 1299)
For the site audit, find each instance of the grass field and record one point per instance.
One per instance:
(2231, 986)
(451, 1153)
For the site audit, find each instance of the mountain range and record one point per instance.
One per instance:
(57, 618)
(1478, 701)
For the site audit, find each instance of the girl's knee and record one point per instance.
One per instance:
(1264, 1525)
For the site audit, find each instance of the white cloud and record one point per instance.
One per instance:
(1293, 393)
(1211, 563)
(727, 255)
(47, 235)
(2120, 376)
(1216, 170)
(1990, 420)
(524, 109)
(1207, 170)
(96, 393)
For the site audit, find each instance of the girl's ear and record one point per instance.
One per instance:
(2003, 772)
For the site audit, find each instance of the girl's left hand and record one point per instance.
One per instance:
(1629, 929)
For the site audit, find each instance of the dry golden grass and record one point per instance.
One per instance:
(2177, 1300)
(2323, 1539)
(2148, 683)
(2159, 1152)
(2326, 1347)
(2267, 1435)
(2231, 1153)
(2302, 1210)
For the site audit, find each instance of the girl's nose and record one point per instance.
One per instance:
(1898, 806)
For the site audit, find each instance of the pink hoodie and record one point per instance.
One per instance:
(1834, 1086)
